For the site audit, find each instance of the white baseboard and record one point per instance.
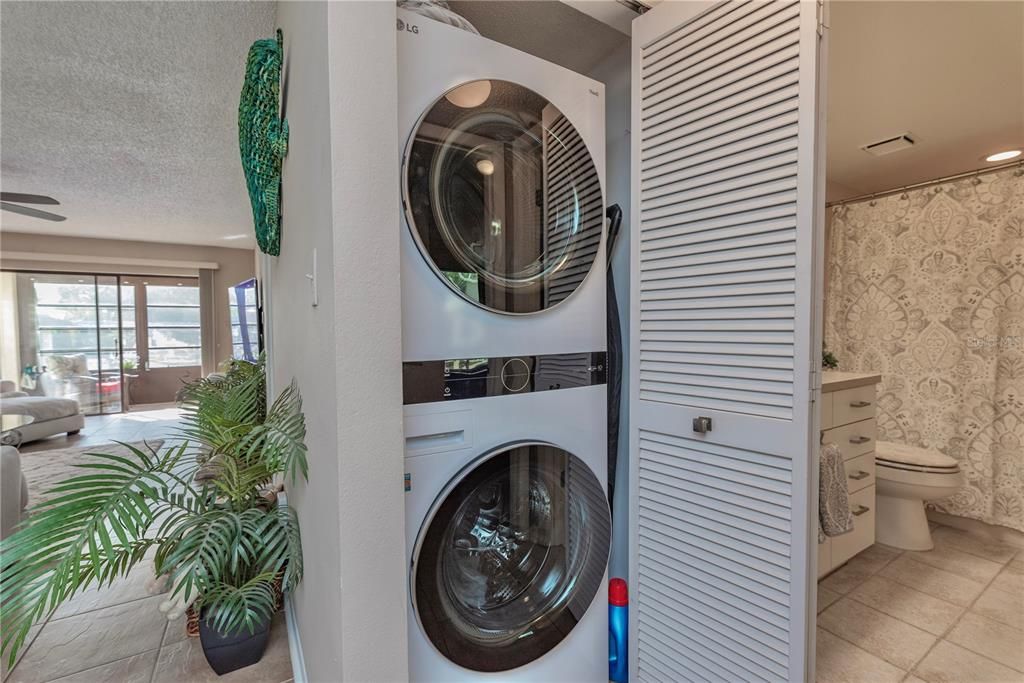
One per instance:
(294, 642)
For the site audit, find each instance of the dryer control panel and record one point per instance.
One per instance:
(456, 379)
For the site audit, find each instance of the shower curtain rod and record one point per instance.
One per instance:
(927, 183)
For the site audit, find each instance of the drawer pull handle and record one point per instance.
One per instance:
(860, 474)
(860, 439)
(859, 404)
(861, 509)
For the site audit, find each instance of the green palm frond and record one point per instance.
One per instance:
(93, 529)
(203, 506)
(231, 608)
(280, 440)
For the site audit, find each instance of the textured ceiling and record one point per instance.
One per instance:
(126, 112)
(949, 73)
(550, 30)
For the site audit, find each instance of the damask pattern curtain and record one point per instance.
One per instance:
(927, 287)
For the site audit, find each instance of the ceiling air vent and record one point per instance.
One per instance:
(888, 146)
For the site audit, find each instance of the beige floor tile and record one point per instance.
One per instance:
(4, 658)
(998, 605)
(175, 632)
(894, 641)
(911, 678)
(859, 568)
(924, 611)
(184, 661)
(1011, 579)
(992, 639)
(131, 588)
(949, 663)
(935, 582)
(958, 562)
(838, 661)
(948, 537)
(826, 597)
(136, 669)
(88, 640)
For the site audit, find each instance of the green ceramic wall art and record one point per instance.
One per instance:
(263, 139)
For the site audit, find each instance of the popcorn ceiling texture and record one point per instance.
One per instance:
(127, 114)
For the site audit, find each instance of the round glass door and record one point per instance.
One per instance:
(511, 558)
(503, 197)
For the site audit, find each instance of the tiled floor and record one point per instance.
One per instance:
(118, 633)
(950, 615)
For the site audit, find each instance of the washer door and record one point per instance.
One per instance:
(503, 197)
(511, 558)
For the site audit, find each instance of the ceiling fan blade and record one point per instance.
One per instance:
(34, 213)
(27, 198)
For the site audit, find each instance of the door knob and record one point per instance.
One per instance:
(702, 425)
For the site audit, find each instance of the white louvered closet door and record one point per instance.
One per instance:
(726, 208)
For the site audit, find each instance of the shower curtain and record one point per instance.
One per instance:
(927, 287)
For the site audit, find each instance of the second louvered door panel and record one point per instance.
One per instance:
(724, 208)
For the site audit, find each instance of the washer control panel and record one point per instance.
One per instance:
(462, 378)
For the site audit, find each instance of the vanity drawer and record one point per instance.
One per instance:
(862, 504)
(826, 411)
(853, 439)
(851, 405)
(860, 472)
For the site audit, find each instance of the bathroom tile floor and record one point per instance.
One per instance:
(117, 633)
(954, 614)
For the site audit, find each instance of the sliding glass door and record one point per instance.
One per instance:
(169, 336)
(106, 341)
(65, 337)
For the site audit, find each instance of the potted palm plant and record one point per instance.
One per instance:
(205, 507)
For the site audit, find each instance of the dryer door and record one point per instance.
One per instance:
(511, 557)
(502, 197)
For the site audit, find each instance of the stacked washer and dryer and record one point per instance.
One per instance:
(503, 308)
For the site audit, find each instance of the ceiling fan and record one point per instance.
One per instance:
(12, 201)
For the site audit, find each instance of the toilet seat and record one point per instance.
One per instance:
(899, 456)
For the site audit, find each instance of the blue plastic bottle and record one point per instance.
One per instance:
(618, 628)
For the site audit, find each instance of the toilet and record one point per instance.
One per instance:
(906, 477)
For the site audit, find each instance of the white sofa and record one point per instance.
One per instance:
(13, 490)
(52, 415)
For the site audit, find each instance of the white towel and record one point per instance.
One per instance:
(834, 516)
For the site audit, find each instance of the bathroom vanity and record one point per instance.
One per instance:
(848, 420)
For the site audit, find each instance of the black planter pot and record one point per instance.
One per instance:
(227, 652)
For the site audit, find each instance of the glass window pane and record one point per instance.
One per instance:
(161, 316)
(64, 316)
(169, 358)
(236, 334)
(82, 292)
(172, 296)
(173, 336)
(108, 315)
(67, 340)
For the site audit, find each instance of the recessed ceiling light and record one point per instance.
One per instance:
(485, 166)
(1003, 156)
(470, 95)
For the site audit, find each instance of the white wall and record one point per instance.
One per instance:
(614, 72)
(340, 197)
